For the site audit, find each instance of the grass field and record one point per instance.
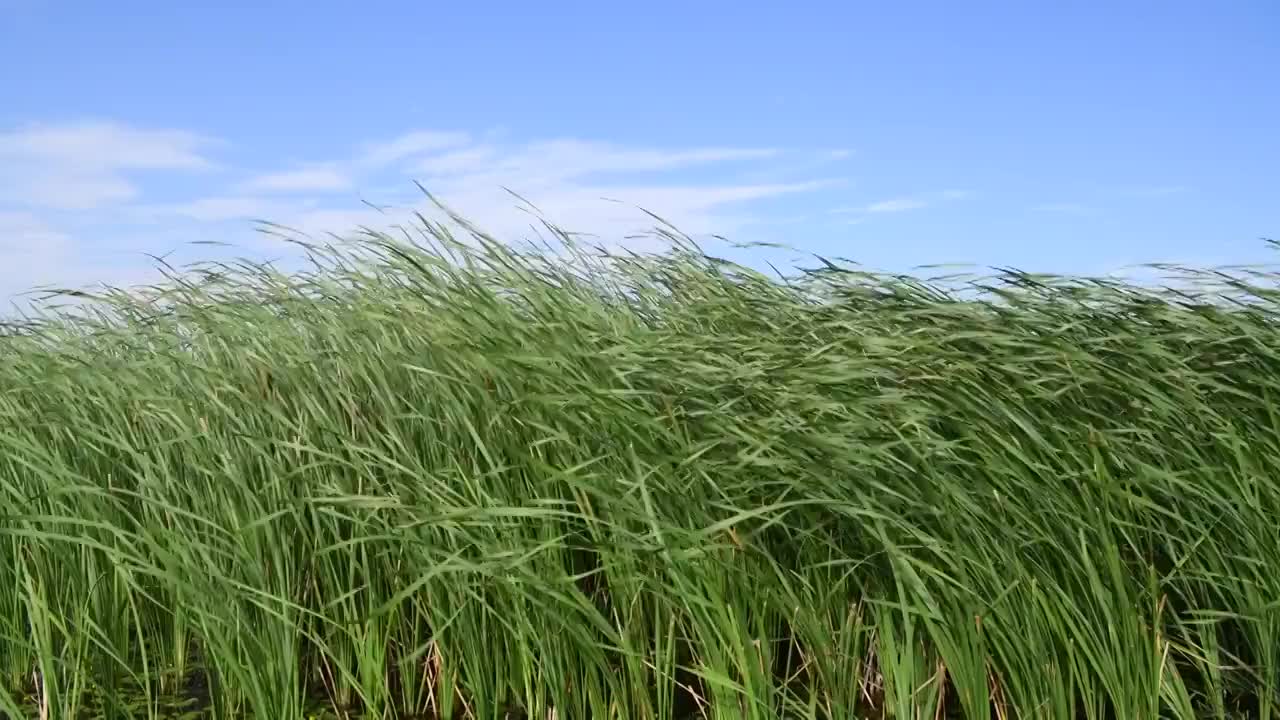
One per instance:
(449, 479)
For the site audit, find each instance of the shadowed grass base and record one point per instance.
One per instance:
(451, 480)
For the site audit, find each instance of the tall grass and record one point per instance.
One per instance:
(436, 478)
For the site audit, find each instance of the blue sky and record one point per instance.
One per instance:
(1067, 137)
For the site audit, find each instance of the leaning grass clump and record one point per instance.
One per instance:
(442, 479)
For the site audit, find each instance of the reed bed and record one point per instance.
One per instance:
(434, 476)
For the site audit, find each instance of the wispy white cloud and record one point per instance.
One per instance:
(1075, 207)
(610, 213)
(569, 180)
(454, 162)
(106, 146)
(554, 162)
(88, 165)
(35, 254)
(1065, 208)
(896, 205)
(57, 189)
(1154, 191)
(899, 204)
(388, 152)
(98, 175)
(25, 234)
(217, 208)
(317, 178)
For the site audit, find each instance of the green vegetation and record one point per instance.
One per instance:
(445, 479)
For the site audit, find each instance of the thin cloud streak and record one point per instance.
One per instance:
(1155, 191)
(381, 154)
(310, 179)
(896, 205)
(1065, 208)
(900, 204)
